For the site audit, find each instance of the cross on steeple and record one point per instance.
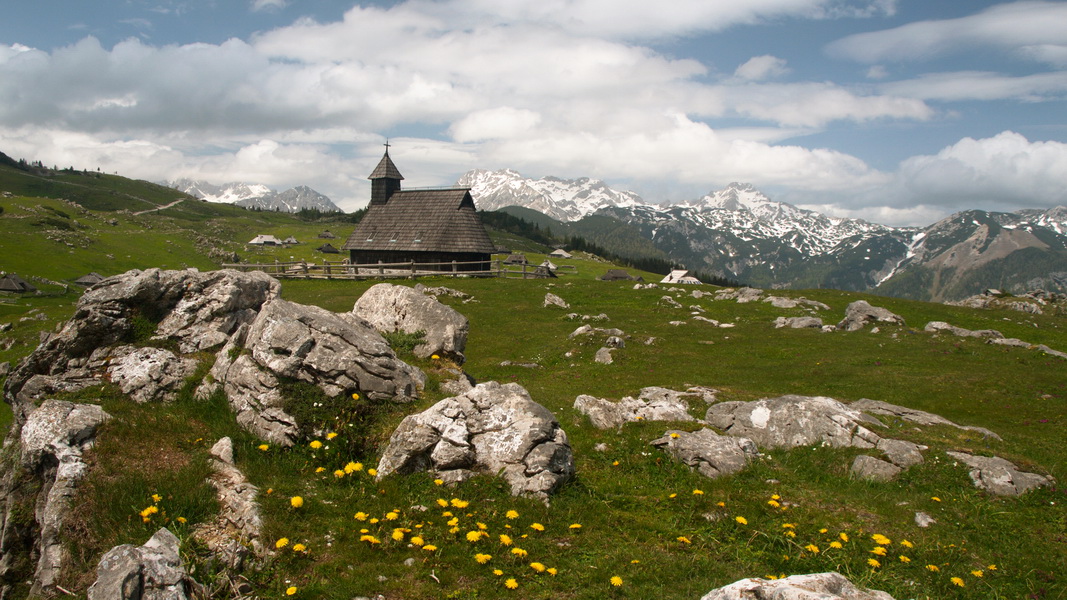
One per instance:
(387, 145)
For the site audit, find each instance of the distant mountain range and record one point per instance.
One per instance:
(741, 234)
(256, 196)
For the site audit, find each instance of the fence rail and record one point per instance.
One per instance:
(400, 270)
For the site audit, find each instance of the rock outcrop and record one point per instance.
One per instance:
(153, 571)
(495, 429)
(860, 313)
(798, 322)
(147, 374)
(235, 531)
(711, 454)
(998, 476)
(791, 421)
(816, 586)
(912, 415)
(396, 308)
(52, 442)
(651, 404)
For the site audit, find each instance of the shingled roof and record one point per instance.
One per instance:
(434, 220)
(386, 169)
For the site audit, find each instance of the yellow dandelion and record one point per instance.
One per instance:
(447, 513)
(519, 552)
(372, 472)
(482, 526)
(873, 563)
(474, 536)
(296, 501)
(438, 481)
(510, 583)
(181, 520)
(454, 530)
(355, 396)
(263, 447)
(290, 591)
(320, 469)
(315, 444)
(907, 544)
(339, 473)
(512, 514)
(497, 572)
(789, 525)
(879, 550)
(673, 496)
(904, 559)
(370, 539)
(537, 527)
(935, 498)
(417, 541)
(720, 504)
(430, 548)
(442, 502)
(373, 520)
(453, 522)
(741, 520)
(956, 581)
(575, 526)
(812, 548)
(977, 573)
(457, 503)
(156, 497)
(823, 530)
(992, 567)
(505, 539)
(435, 357)
(698, 492)
(683, 539)
(483, 558)
(536, 566)
(675, 436)
(790, 533)
(881, 540)
(331, 435)
(281, 543)
(352, 467)
(773, 503)
(391, 516)
(843, 536)
(776, 497)
(398, 534)
(836, 544)
(552, 570)
(616, 581)
(361, 516)
(932, 568)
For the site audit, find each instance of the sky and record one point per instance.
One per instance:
(900, 112)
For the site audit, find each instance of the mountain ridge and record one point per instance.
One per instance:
(256, 195)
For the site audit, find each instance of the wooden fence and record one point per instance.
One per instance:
(402, 270)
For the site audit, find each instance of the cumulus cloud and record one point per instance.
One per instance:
(1018, 27)
(761, 67)
(981, 85)
(258, 5)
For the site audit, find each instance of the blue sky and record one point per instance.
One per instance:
(897, 111)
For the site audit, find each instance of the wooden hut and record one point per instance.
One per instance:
(560, 253)
(430, 226)
(89, 279)
(619, 275)
(10, 282)
(328, 248)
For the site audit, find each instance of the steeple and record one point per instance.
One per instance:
(385, 179)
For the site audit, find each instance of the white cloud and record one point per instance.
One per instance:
(763, 67)
(495, 123)
(1015, 27)
(1006, 170)
(980, 85)
(258, 5)
(816, 104)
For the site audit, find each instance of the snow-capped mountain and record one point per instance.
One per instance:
(561, 199)
(741, 234)
(256, 195)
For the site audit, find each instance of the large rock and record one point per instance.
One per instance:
(339, 354)
(651, 404)
(798, 322)
(816, 586)
(197, 310)
(999, 476)
(860, 313)
(52, 439)
(943, 327)
(396, 308)
(147, 374)
(150, 572)
(874, 469)
(919, 417)
(711, 454)
(791, 421)
(495, 429)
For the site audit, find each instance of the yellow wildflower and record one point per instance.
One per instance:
(675, 436)
(843, 536)
(683, 539)
(935, 498)
(510, 583)
(776, 497)
(281, 543)
(156, 497)
(812, 548)
(339, 473)
(873, 562)
(453, 522)
(790, 534)
(290, 591)
(512, 514)
(992, 567)
(373, 520)
(879, 550)
(442, 502)
(263, 447)
(435, 357)
(438, 481)
(320, 469)
(537, 527)
(355, 396)
(505, 539)
(296, 501)
(977, 574)
(361, 516)
(372, 472)
(519, 552)
(398, 534)
(904, 559)
(741, 520)
(836, 544)
(698, 492)
(552, 570)
(536, 566)
(181, 520)
(430, 548)
(391, 516)
(315, 444)
(299, 547)
(417, 541)
(483, 558)
(474, 536)
(497, 572)
(369, 538)
(932, 568)
(957, 582)
(575, 526)
(352, 467)
(773, 503)
(789, 525)
(457, 503)
(616, 581)
(481, 526)
(881, 540)
(331, 435)
(907, 544)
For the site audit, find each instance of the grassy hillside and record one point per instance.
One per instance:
(665, 531)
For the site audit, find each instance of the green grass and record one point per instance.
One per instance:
(633, 503)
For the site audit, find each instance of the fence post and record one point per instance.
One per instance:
(413, 268)
(453, 269)
(381, 271)
(524, 270)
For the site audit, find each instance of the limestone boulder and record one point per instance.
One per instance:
(873, 469)
(153, 571)
(651, 404)
(52, 442)
(815, 586)
(396, 308)
(791, 421)
(711, 454)
(860, 313)
(943, 327)
(999, 476)
(493, 429)
(147, 374)
(798, 322)
(554, 300)
(236, 530)
(912, 415)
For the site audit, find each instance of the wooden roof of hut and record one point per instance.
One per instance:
(516, 259)
(560, 253)
(11, 282)
(619, 275)
(89, 279)
(328, 248)
(327, 235)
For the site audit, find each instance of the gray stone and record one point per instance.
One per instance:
(816, 586)
(236, 529)
(924, 520)
(603, 356)
(943, 327)
(396, 308)
(5, 368)
(874, 469)
(148, 374)
(711, 454)
(999, 476)
(495, 429)
(860, 313)
(877, 407)
(340, 354)
(669, 301)
(615, 341)
(52, 442)
(651, 404)
(791, 421)
(153, 571)
(554, 300)
(742, 295)
(901, 453)
(798, 322)
(780, 302)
